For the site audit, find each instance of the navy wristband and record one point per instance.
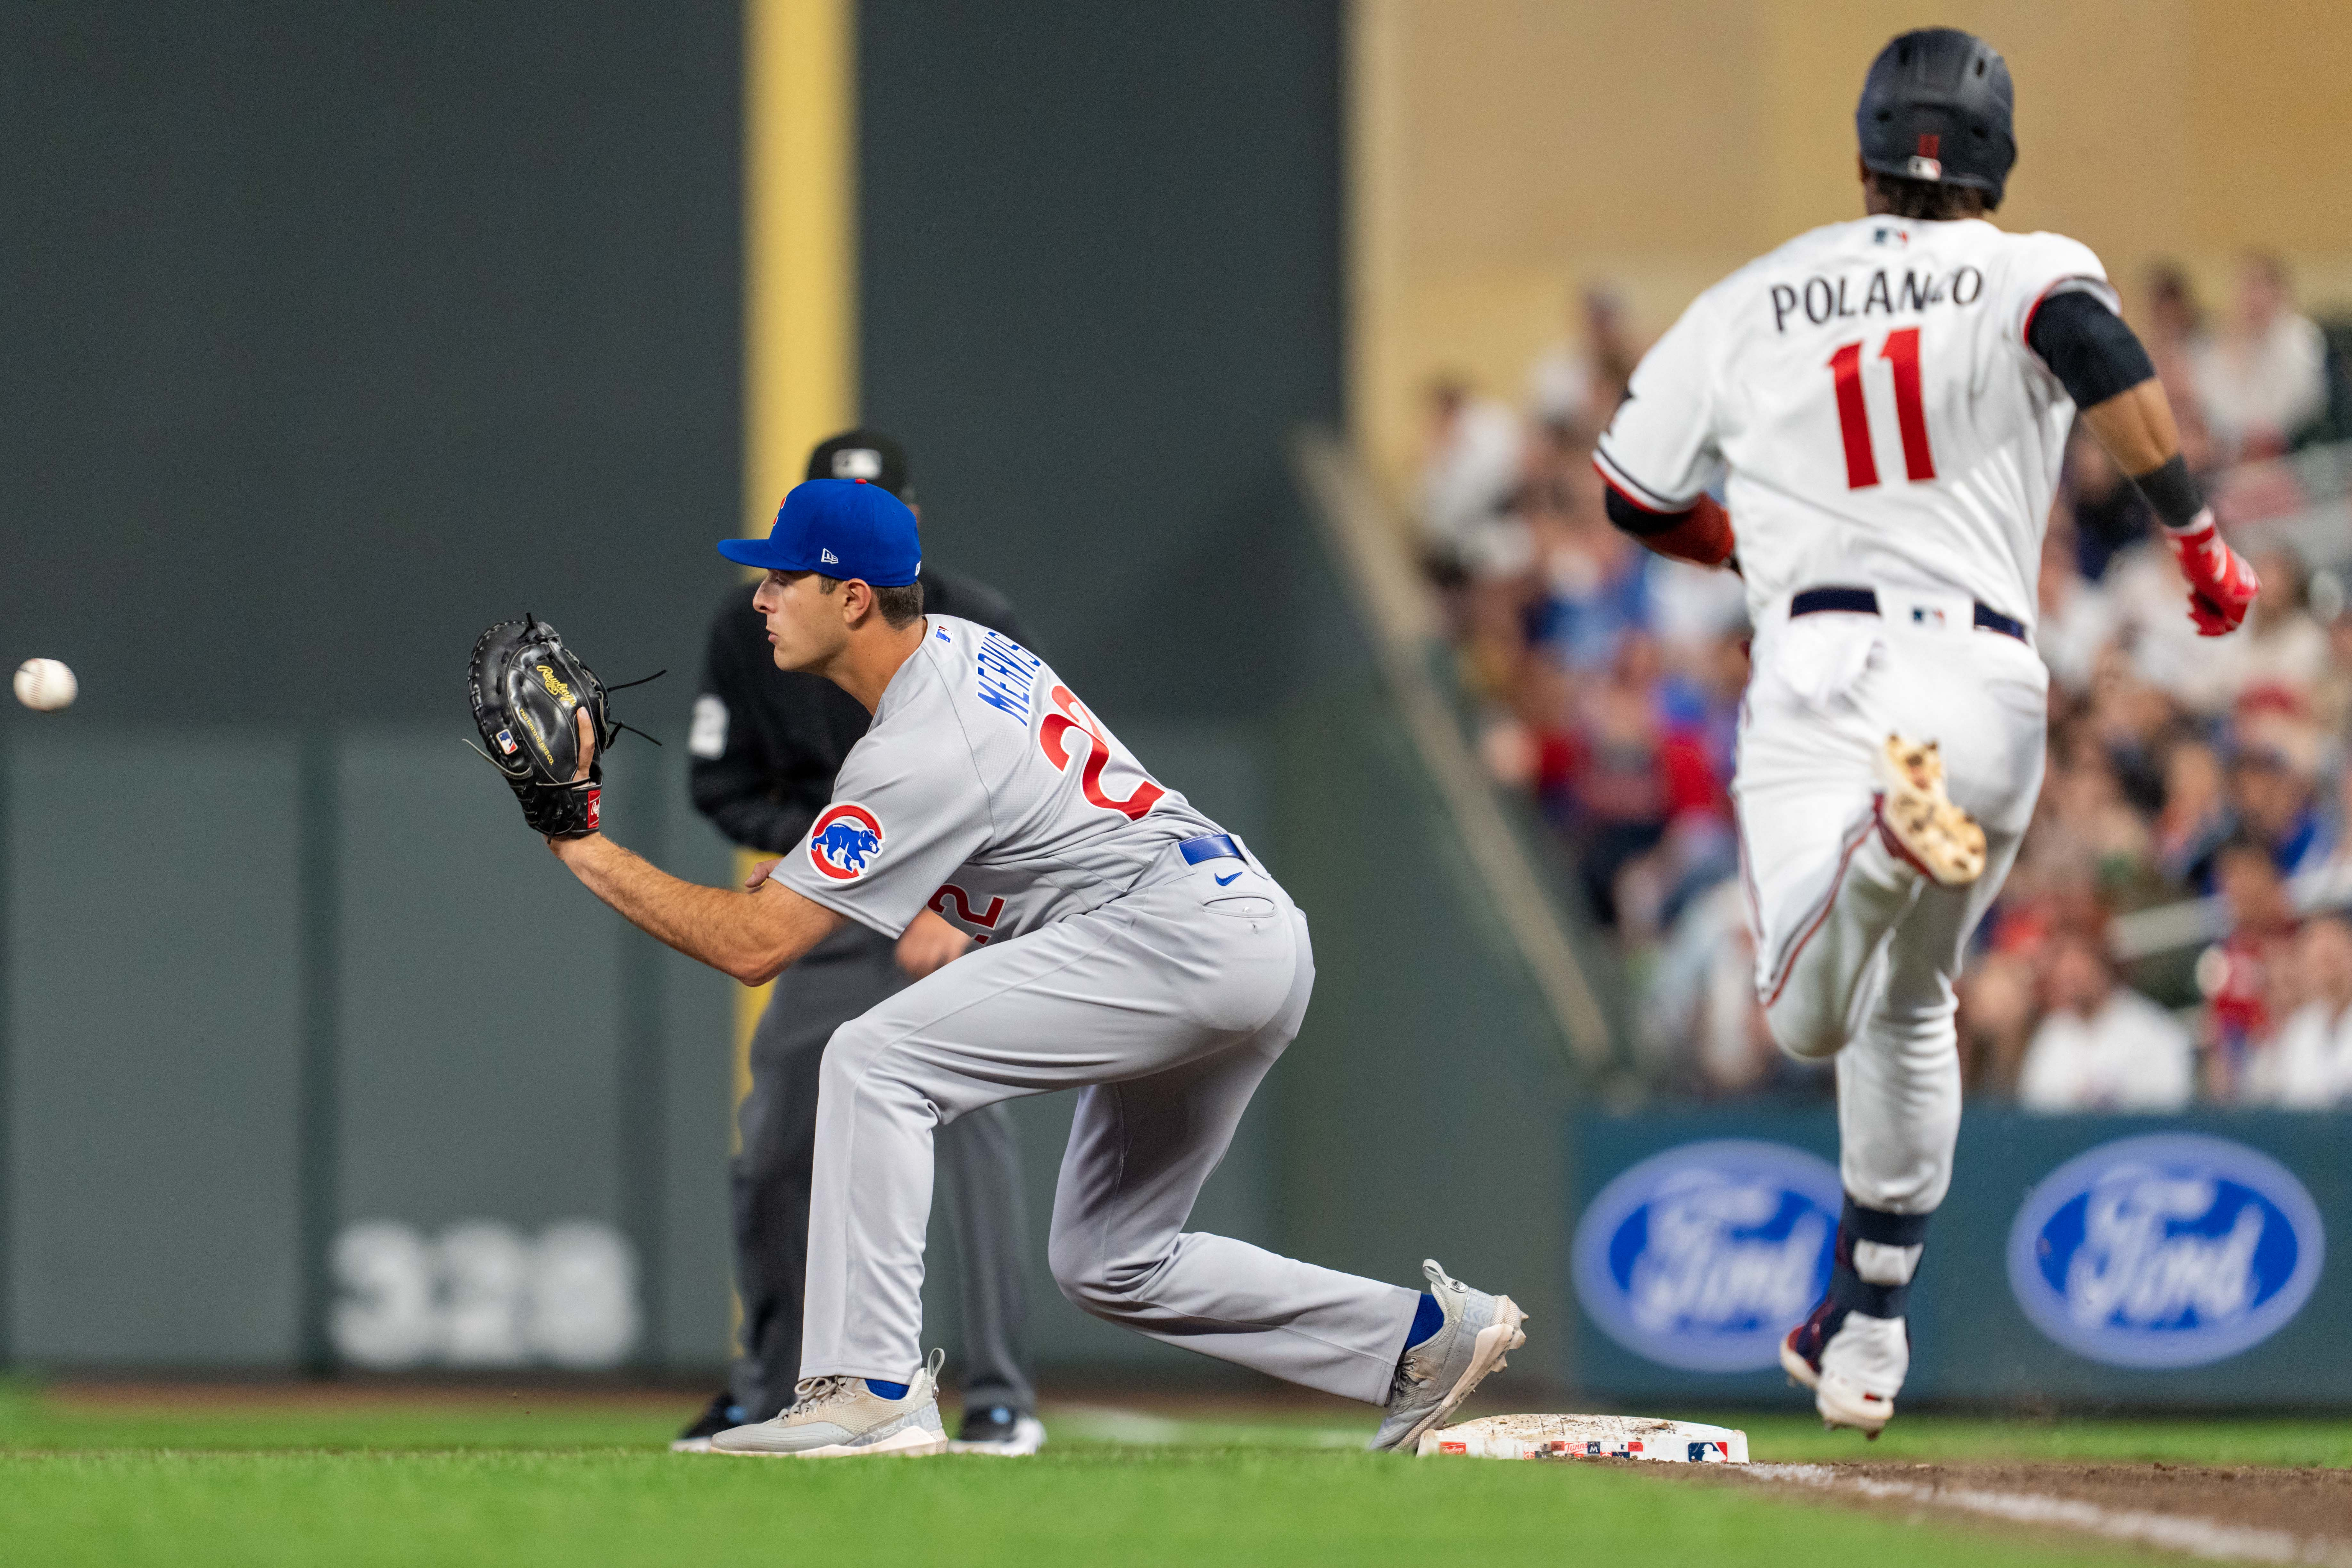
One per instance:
(2171, 494)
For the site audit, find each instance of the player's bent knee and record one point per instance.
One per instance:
(1808, 1034)
(851, 1047)
(1082, 1284)
(858, 1070)
(1094, 1286)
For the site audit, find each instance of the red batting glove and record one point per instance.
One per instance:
(2222, 586)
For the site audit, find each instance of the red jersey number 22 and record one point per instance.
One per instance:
(1900, 352)
(1073, 720)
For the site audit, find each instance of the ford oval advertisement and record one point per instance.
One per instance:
(1704, 1256)
(2169, 1250)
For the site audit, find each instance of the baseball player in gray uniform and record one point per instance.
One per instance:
(1127, 946)
(766, 746)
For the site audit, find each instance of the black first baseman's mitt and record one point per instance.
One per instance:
(527, 687)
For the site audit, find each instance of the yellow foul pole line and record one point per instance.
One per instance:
(799, 276)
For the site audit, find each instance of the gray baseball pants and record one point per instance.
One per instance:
(1167, 1005)
(843, 976)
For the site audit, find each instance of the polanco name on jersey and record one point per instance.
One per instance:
(1823, 299)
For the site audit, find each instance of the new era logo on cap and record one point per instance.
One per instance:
(845, 528)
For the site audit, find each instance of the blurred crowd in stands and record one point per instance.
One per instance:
(2167, 935)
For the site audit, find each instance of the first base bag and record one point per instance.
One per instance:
(1588, 1437)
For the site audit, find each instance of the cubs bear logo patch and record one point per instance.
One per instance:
(845, 841)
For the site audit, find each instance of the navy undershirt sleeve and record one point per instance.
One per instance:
(2087, 347)
(1633, 519)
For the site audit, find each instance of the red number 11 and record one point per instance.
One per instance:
(1902, 351)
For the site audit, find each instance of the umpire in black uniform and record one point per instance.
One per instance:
(766, 744)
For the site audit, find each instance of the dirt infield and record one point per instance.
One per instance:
(2247, 1513)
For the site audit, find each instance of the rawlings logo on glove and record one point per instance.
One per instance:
(523, 678)
(2221, 585)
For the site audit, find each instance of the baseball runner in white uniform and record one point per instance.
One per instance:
(1885, 403)
(1129, 947)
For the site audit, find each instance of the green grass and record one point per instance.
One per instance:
(579, 1484)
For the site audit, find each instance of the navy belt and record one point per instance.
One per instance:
(1865, 601)
(1210, 846)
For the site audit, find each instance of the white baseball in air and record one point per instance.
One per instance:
(45, 685)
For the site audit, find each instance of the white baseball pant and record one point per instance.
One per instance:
(1168, 1004)
(1856, 951)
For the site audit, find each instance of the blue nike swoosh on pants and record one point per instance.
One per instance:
(1228, 881)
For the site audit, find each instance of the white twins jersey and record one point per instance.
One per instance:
(986, 791)
(1868, 388)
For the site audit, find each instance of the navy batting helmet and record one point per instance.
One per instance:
(1936, 106)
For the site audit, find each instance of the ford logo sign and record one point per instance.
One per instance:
(1704, 1256)
(2173, 1250)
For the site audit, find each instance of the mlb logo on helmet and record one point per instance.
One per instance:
(2172, 1249)
(845, 841)
(1705, 1256)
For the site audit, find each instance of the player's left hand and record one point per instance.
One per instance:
(545, 723)
(2221, 585)
(929, 944)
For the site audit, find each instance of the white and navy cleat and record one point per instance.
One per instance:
(1853, 1363)
(721, 1413)
(999, 1429)
(1437, 1375)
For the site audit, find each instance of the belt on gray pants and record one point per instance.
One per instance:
(1210, 846)
(1865, 601)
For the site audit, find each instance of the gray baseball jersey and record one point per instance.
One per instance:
(984, 790)
(1174, 971)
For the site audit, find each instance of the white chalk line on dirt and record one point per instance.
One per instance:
(2209, 1538)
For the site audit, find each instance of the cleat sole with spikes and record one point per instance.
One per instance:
(1918, 820)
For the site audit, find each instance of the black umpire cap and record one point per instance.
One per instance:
(866, 455)
(1936, 106)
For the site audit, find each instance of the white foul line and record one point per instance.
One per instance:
(2209, 1538)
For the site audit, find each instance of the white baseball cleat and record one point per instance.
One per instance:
(1918, 820)
(843, 1417)
(1437, 1375)
(999, 1429)
(721, 1413)
(1854, 1363)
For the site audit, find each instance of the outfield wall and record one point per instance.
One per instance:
(350, 332)
(2080, 1262)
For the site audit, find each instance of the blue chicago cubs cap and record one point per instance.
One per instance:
(838, 528)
